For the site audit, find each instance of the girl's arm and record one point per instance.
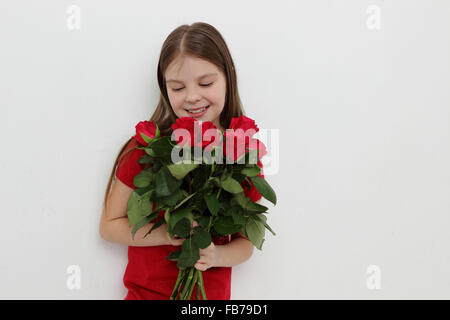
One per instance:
(114, 224)
(238, 250)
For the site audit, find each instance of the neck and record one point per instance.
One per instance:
(218, 126)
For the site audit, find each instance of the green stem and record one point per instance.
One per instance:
(177, 285)
(218, 193)
(202, 288)
(209, 223)
(194, 282)
(187, 284)
(197, 290)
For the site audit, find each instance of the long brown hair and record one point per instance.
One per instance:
(199, 40)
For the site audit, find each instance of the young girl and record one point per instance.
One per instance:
(197, 79)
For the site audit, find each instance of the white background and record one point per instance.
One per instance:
(363, 117)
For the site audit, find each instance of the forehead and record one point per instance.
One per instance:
(186, 68)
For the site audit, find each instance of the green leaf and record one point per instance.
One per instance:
(169, 230)
(203, 221)
(255, 231)
(189, 254)
(213, 203)
(143, 222)
(251, 171)
(145, 159)
(157, 132)
(174, 255)
(180, 170)
(265, 189)
(255, 207)
(231, 185)
(225, 225)
(167, 215)
(150, 152)
(179, 214)
(166, 184)
(143, 178)
(156, 166)
(239, 177)
(146, 138)
(201, 238)
(227, 173)
(201, 177)
(226, 207)
(162, 147)
(155, 226)
(137, 208)
(247, 204)
(262, 219)
(184, 200)
(252, 157)
(238, 217)
(182, 228)
(172, 199)
(144, 192)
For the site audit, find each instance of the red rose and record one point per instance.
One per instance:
(211, 136)
(251, 192)
(242, 144)
(195, 133)
(147, 128)
(244, 123)
(235, 144)
(240, 139)
(256, 144)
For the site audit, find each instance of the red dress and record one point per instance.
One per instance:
(149, 276)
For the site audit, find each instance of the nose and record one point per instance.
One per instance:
(193, 96)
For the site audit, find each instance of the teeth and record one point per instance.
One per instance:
(198, 111)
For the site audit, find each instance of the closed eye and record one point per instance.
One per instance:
(203, 85)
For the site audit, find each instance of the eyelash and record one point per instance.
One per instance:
(203, 85)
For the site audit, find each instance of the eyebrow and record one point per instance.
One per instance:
(203, 76)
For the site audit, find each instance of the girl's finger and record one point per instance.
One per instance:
(201, 266)
(201, 260)
(177, 241)
(194, 224)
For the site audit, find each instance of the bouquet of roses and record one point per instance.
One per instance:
(196, 177)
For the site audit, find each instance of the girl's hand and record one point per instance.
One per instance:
(177, 241)
(208, 257)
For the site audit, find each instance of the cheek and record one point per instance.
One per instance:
(176, 101)
(217, 97)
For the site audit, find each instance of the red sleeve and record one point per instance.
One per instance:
(128, 166)
(253, 193)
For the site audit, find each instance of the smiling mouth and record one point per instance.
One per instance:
(198, 110)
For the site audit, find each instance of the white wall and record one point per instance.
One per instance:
(363, 116)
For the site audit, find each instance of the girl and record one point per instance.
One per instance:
(197, 79)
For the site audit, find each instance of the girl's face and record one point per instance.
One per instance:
(193, 83)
